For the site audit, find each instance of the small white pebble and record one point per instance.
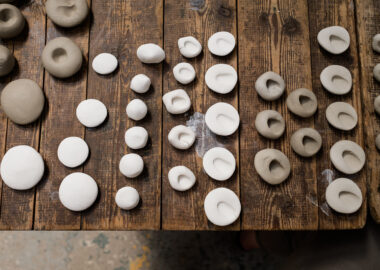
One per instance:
(221, 43)
(184, 73)
(136, 109)
(131, 165)
(140, 83)
(127, 198)
(104, 63)
(91, 112)
(72, 152)
(181, 137)
(181, 178)
(177, 101)
(150, 53)
(189, 46)
(136, 137)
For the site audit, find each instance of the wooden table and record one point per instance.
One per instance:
(271, 35)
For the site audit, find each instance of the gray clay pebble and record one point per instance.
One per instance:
(67, 13)
(347, 156)
(376, 43)
(302, 102)
(272, 165)
(334, 39)
(7, 61)
(336, 79)
(270, 86)
(341, 115)
(376, 72)
(306, 142)
(12, 21)
(376, 104)
(377, 142)
(270, 124)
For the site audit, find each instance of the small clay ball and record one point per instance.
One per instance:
(377, 105)
(376, 72)
(306, 142)
(7, 61)
(67, 13)
(11, 21)
(22, 101)
(377, 142)
(302, 102)
(61, 57)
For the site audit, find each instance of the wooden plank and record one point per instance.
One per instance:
(274, 36)
(184, 210)
(323, 14)
(60, 122)
(17, 207)
(368, 25)
(119, 27)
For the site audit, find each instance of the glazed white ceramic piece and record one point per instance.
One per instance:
(22, 167)
(222, 119)
(140, 83)
(136, 137)
(221, 43)
(376, 43)
(72, 152)
(131, 165)
(222, 206)
(344, 196)
(181, 137)
(376, 104)
(150, 53)
(302, 102)
(334, 39)
(104, 63)
(270, 86)
(347, 156)
(78, 191)
(336, 79)
(181, 178)
(341, 115)
(219, 163)
(177, 101)
(91, 112)
(221, 78)
(127, 198)
(184, 73)
(189, 46)
(306, 142)
(270, 124)
(136, 109)
(376, 72)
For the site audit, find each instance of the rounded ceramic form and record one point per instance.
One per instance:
(221, 78)
(12, 21)
(91, 113)
(270, 86)
(219, 163)
(181, 178)
(222, 119)
(341, 115)
(131, 165)
(104, 63)
(177, 101)
(221, 43)
(347, 156)
(7, 61)
(302, 102)
(72, 152)
(334, 39)
(344, 196)
(127, 198)
(189, 47)
(306, 142)
(270, 124)
(181, 137)
(66, 13)
(336, 79)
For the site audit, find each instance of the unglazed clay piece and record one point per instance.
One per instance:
(181, 178)
(222, 206)
(7, 61)
(302, 102)
(181, 137)
(91, 112)
(376, 72)
(334, 39)
(341, 115)
(150, 53)
(221, 78)
(222, 119)
(189, 46)
(219, 163)
(177, 101)
(377, 105)
(184, 73)
(347, 156)
(376, 43)
(22, 167)
(344, 196)
(377, 142)
(127, 198)
(104, 63)
(67, 13)
(221, 43)
(306, 142)
(72, 152)
(272, 165)
(270, 86)
(78, 191)
(136, 109)
(61, 57)
(336, 79)
(22, 101)
(270, 124)
(12, 21)
(131, 165)
(140, 83)
(136, 137)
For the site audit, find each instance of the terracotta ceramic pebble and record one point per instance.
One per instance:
(336, 79)
(270, 124)
(131, 165)
(104, 63)
(189, 46)
(136, 137)
(127, 198)
(181, 137)
(7, 61)
(376, 72)
(140, 83)
(376, 104)
(222, 119)
(66, 13)
(376, 43)
(72, 152)
(270, 86)
(347, 156)
(221, 78)
(306, 142)
(150, 53)
(136, 109)
(302, 102)
(177, 101)
(181, 178)
(219, 163)
(341, 115)
(334, 39)
(184, 73)
(91, 112)
(377, 142)
(221, 43)
(12, 21)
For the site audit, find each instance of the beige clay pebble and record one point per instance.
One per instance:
(336, 79)
(376, 104)
(272, 165)
(67, 13)
(7, 61)
(376, 72)
(12, 21)
(344, 196)
(302, 102)
(270, 124)
(341, 115)
(306, 142)
(270, 86)
(347, 156)
(376, 43)
(334, 39)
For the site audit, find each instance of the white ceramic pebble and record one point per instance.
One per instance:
(131, 165)
(344, 196)
(181, 137)
(127, 198)
(136, 137)
(334, 39)
(104, 63)
(189, 46)
(150, 53)
(376, 72)
(91, 112)
(184, 73)
(219, 163)
(376, 43)
(336, 79)
(221, 78)
(181, 178)
(221, 43)
(22, 167)
(140, 83)
(177, 101)
(341, 115)
(78, 191)
(347, 156)
(136, 109)
(270, 86)
(222, 119)
(222, 206)
(72, 151)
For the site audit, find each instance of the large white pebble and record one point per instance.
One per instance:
(136, 137)
(136, 109)
(334, 39)
(104, 63)
(131, 165)
(181, 137)
(78, 191)
(140, 83)
(127, 198)
(150, 53)
(181, 178)
(221, 43)
(91, 112)
(189, 46)
(221, 78)
(72, 151)
(22, 167)
(184, 73)
(219, 163)
(222, 119)
(177, 101)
